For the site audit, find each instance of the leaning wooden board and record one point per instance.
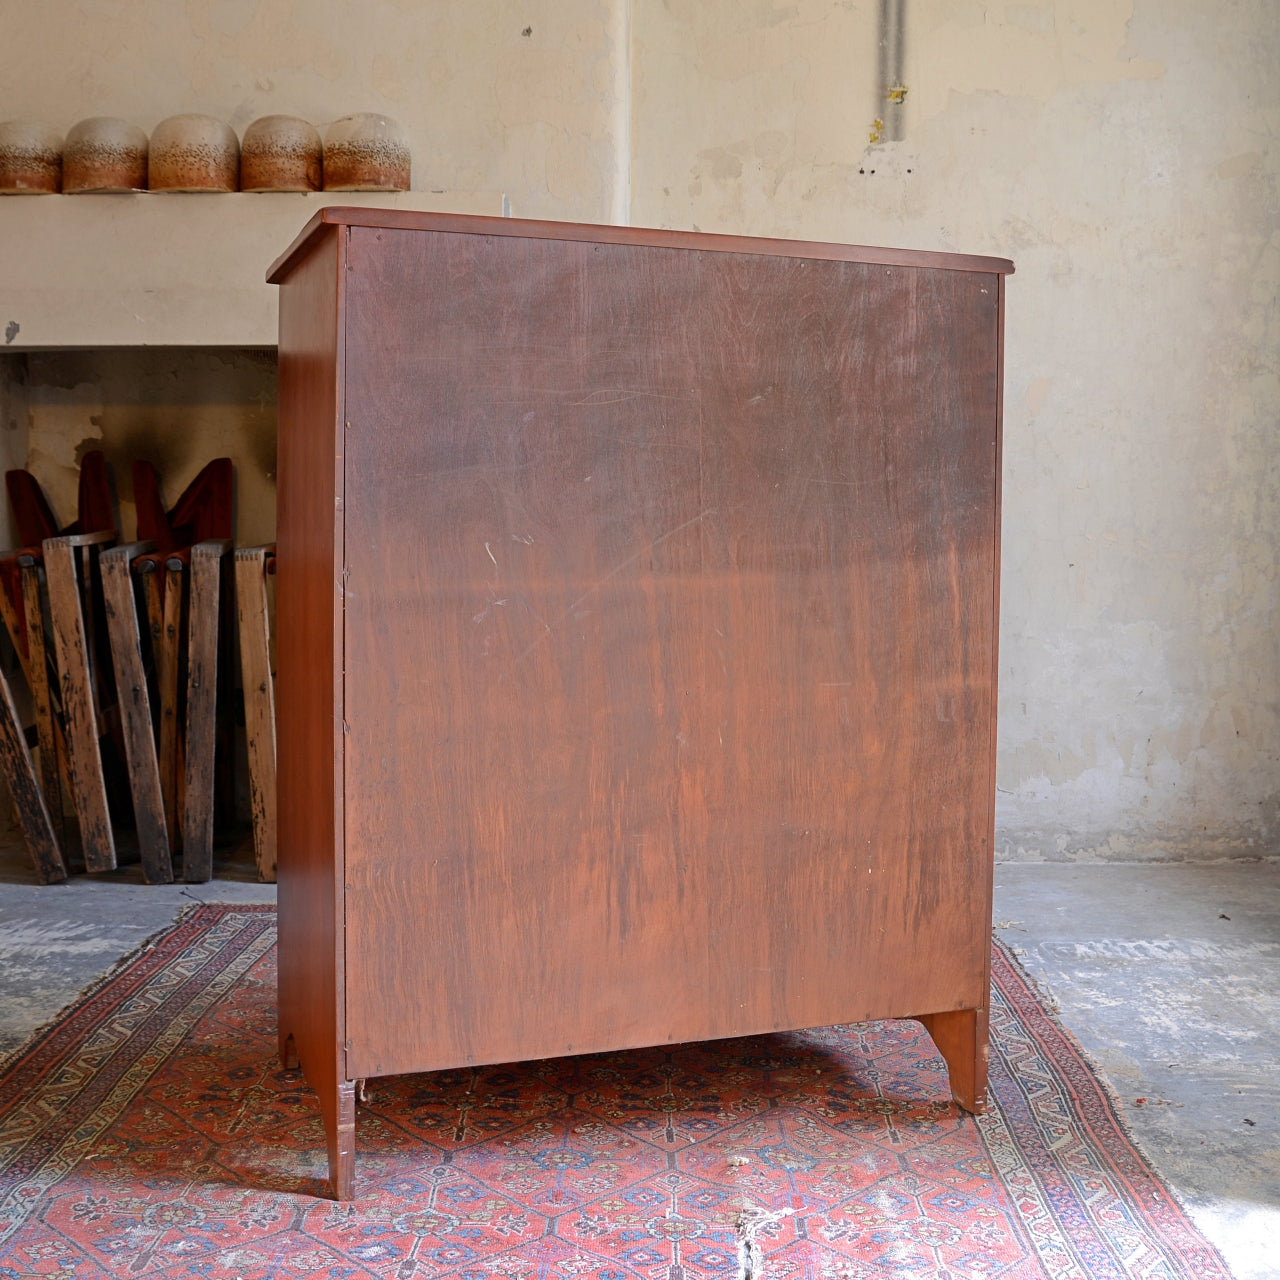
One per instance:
(637, 621)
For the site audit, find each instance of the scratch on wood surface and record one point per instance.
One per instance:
(620, 395)
(608, 577)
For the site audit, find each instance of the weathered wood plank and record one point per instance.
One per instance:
(251, 565)
(47, 728)
(201, 717)
(163, 592)
(88, 786)
(20, 775)
(135, 711)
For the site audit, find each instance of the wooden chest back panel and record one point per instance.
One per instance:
(668, 647)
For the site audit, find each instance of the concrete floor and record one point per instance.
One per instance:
(1169, 975)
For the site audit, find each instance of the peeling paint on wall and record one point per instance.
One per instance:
(177, 409)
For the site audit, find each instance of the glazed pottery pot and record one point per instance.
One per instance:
(280, 153)
(30, 158)
(193, 153)
(366, 153)
(104, 154)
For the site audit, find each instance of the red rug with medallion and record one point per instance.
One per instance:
(152, 1132)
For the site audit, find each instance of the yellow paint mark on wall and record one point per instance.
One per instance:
(1036, 393)
(1238, 166)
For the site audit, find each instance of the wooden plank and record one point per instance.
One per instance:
(11, 614)
(47, 728)
(259, 701)
(163, 590)
(309, 688)
(88, 786)
(134, 701)
(28, 799)
(201, 712)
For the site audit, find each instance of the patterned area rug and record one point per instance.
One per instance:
(151, 1132)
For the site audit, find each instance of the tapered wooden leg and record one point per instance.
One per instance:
(342, 1143)
(89, 790)
(202, 686)
(135, 711)
(259, 702)
(961, 1037)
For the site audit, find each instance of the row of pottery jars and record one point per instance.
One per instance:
(199, 153)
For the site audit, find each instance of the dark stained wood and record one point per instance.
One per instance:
(309, 690)
(11, 615)
(259, 700)
(667, 577)
(134, 700)
(201, 706)
(20, 777)
(48, 730)
(64, 577)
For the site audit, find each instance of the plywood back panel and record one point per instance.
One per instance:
(668, 646)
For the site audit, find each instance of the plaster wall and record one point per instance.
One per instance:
(1120, 152)
(175, 407)
(13, 429)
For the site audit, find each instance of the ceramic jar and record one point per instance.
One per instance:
(366, 153)
(193, 153)
(280, 153)
(30, 158)
(104, 154)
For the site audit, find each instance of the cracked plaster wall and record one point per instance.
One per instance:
(1121, 153)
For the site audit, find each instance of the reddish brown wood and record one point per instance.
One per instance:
(201, 706)
(961, 1038)
(68, 565)
(259, 700)
(309, 689)
(663, 701)
(134, 700)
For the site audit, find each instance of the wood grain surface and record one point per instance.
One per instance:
(134, 701)
(310, 551)
(68, 569)
(19, 775)
(251, 565)
(53, 751)
(669, 644)
(637, 643)
(203, 608)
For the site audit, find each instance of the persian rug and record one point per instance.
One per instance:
(152, 1132)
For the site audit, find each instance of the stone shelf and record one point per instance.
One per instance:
(157, 269)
